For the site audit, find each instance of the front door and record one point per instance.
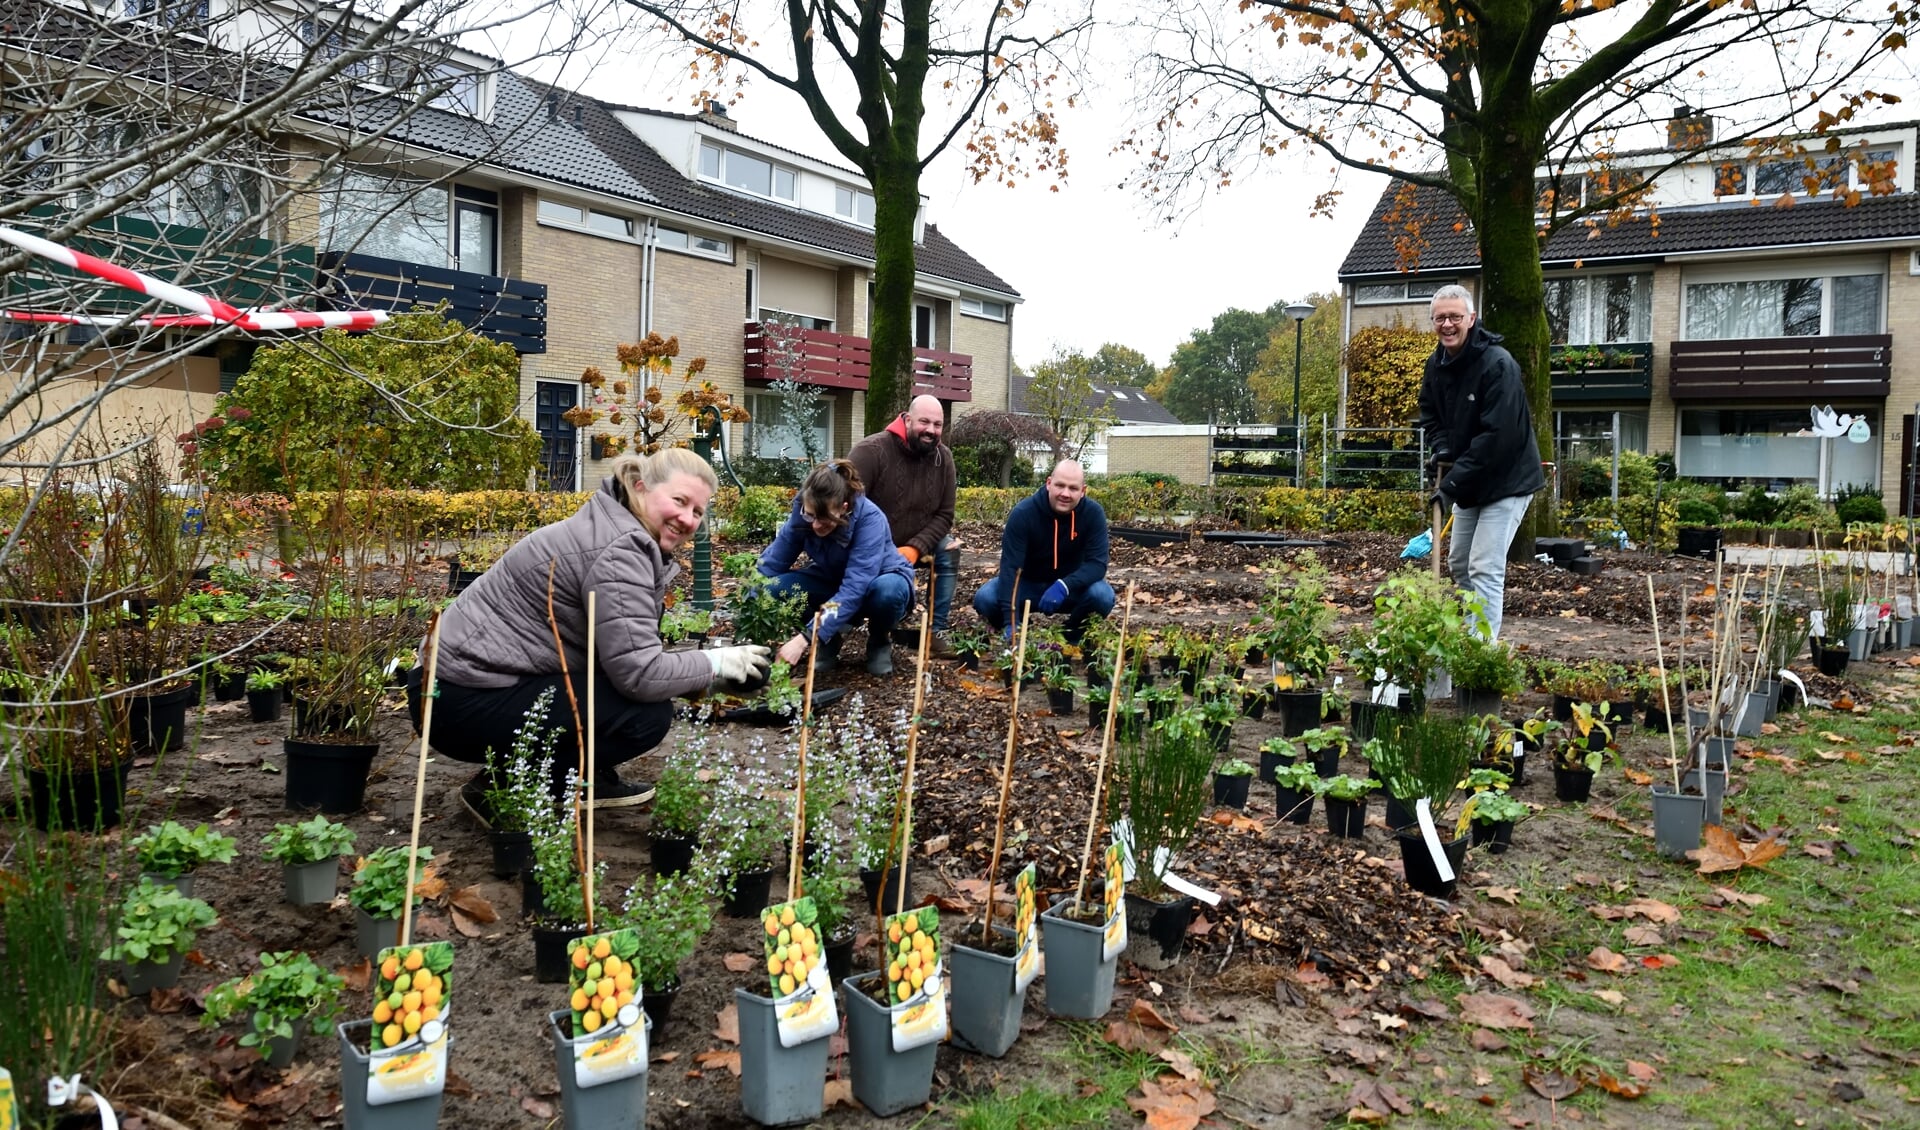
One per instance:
(559, 440)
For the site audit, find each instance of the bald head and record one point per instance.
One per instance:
(1066, 486)
(925, 419)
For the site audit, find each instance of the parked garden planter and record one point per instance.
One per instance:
(620, 1104)
(1418, 863)
(550, 950)
(1157, 931)
(328, 776)
(512, 853)
(1231, 789)
(1269, 761)
(885, 1081)
(658, 1000)
(1752, 712)
(1903, 632)
(78, 799)
(1299, 711)
(158, 722)
(748, 892)
(1060, 702)
(142, 977)
(778, 1086)
(870, 882)
(1293, 807)
(374, 934)
(670, 852)
(1572, 785)
(1712, 787)
(264, 706)
(986, 1009)
(1496, 837)
(420, 1113)
(1770, 688)
(1079, 981)
(1346, 818)
(310, 884)
(1677, 821)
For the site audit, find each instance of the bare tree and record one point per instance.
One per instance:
(1063, 396)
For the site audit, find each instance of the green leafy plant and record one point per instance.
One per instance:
(833, 882)
(520, 787)
(262, 679)
(669, 917)
(1493, 807)
(1234, 767)
(308, 841)
(1485, 665)
(1422, 756)
(1483, 779)
(380, 880)
(170, 850)
(741, 566)
(762, 616)
(1588, 718)
(683, 620)
(1298, 776)
(782, 695)
(1344, 786)
(679, 800)
(1323, 738)
(1281, 748)
(1538, 727)
(156, 923)
(1419, 627)
(287, 988)
(972, 642)
(1297, 621)
(1161, 789)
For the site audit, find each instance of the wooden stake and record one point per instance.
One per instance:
(906, 777)
(1006, 773)
(420, 775)
(573, 705)
(794, 886)
(589, 750)
(1666, 703)
(1106, 744)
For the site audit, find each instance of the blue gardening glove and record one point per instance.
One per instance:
(1054, 597)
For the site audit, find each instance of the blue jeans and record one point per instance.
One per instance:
(1477, 553)
(1097, 600)
(885, 604)
(945, 582)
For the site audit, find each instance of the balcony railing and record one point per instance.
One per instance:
(1859, 366)
(509, 311)
(1617, 371)
(834, 360)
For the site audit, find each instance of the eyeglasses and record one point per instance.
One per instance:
(1449, 319)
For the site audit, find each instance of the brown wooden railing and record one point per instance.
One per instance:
(948, 376)
(835, 360)
(1830, 368)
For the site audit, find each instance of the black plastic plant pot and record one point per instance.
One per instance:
(550, 950)
(1299, 711)
(371, 935)
(158, 722)
(1256, 657)
(421, 1113)
(1060, 702)
(748, 892)
(1399, 814)
(1519, 766)
(1831, 660)
(533, 897)
(1129, 725)
(231, 688)
(1496, 837)
(889, 897)
(310, 884)
(327, 776)
(1347, 818)
(1189, 681)
(143, 977)
(1253, 704)
(1270, 761)
(1221, 736)
(78, 799)
(1157, 931)
(778, 1086)
(1294, 807)
(1572, 785)
(1477, 703)
(1657, 720)
(986, 1009)
(620, 1104)
(512, 853)
(1365, 716)
(885, 1081)
(1326, 762)
(657, 1001)
(840, 956)
(264, 706)
(670, 852)
(1563, 707)
(1079, 981)
(1422, 874)
(1097, 714)
(1231, 789)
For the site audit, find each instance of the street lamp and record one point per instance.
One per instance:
(1299, 312)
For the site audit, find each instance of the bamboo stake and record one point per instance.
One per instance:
(589, 750)
(906, 777)
(1106, 744)
(573, 705)
(1686, 704)
(794, 887)
(420, 776)
(1666, 704)
(1006, 775)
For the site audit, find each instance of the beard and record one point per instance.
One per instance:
(925, 442)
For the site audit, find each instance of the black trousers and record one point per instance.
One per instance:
(468, 721)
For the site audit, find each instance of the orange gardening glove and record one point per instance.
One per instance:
(911, 554)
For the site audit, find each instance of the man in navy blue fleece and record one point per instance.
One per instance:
(1056, 541)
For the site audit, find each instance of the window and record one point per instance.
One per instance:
(1793, 174)
(771, 435)
(476, 230)
(1417, 290)
(983, 308)
(556, 212)
(853, 204)
(608, 224)
(693, 243)
(747, 172)
(327, 38)
(787, 318)
(1599, 309)
(389, 216)
(219, 196)
(174, 13)
(1730, 179)
(1774, 447)
(1804, 307)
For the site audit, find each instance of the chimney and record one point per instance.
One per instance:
(716, 115)
(579, 115)
(1689, 129)
(553, 106)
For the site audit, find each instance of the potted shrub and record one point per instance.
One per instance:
(1494, 815)
(1534, 734)
(745, 832)
(1232, 780)
(287, 989)
(227, 682)
(1576, 761)
(1423, 757)
(685, 621)
(513, 791)
(891, 1066)
(1297, 622)
(155, 929)
(1837, 601)
(1295, 784)
(970, 644)
(1160, 788)
(169, 852)
(263, 694)
(668, 916)
(1327, 744)
(1419, 627)
(1275, 752)
(1484, 673)
(551, 890)
(309, 856)
(1058, 679)
(1345, 797)
(679, 807)
(379, 894)
(760, 616)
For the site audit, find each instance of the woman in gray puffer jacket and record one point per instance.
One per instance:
(497, 650)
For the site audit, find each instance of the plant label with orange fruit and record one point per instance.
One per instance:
(1113, 894)
(609, 1032)
(9, 1116)
(803, 1007)
(916, 981)
(412, 999)
(1026, 946)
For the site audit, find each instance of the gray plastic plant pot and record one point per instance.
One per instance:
(1859, 644)
(1771, 689)
(1677, 821)
(422, 1113)
(1079, 984)
(619, 1105)
(778, 1086)
(1903, 632)
(986, 1010)
(309, 884)
(1719, 750)
(375, 934)
(885, 1081)
(181, 883)
(1751, 713)
(143, 977)
(1714, 790)
(278, 1051)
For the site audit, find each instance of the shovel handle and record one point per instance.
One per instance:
(1439, 472)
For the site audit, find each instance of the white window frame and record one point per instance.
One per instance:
(823, 397)
(1596, 303)
(853, 197)
(1847, 154)
(775, 169)
(723, 253)
(1825, 269)
(977, 308)
(1404, 290)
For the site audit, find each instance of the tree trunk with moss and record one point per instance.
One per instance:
(896, 201)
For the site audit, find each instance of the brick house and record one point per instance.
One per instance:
(1132, 409)
(1712, 324)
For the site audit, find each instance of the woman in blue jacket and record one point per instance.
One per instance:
(851, 561)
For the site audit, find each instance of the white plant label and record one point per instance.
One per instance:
(1441, 866)
(1787, 676)
(1817, 623)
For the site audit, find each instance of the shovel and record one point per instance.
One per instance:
(1423, 543)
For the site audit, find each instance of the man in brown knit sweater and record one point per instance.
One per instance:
(909, 475)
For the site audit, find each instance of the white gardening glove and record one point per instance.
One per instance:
(741, 663)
